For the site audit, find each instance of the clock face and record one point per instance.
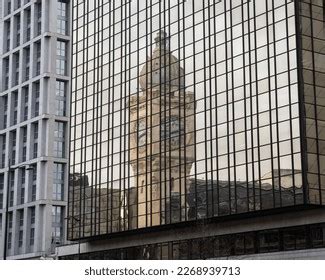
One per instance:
(172, 130)
(141, 133)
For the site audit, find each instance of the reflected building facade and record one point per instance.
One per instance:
(193, 113)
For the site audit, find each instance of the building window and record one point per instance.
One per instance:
(32, 215)
(60, 98)
(20, 238)
(18, 30)
(38, 9)
(8, 6)
(21, 227)
(9, 240)
(8, 34)
(57, 224)
(17, 4)
(62, 20)
(38, 54)
(34, 183)
(21, 218)
(3, 150)
(28, 24)
(16, 69)
(27, 63)
(15, 107)
(11, 188)
(58, 181)
(13, 137)
(24, 146)
(32, 237)
(22, 186)
(61, 58)
(59, 138)
(25, 103)
(5, 110)
(36, 96)
(35, 140)
(10, 220)
(6, 73)
(1, 190)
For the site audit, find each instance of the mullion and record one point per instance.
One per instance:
(251, 102)
(128, 127)
(109, 119)
(276, 104)
(151, 102)
(270, 99)
(257, 112)
(148, 187)
(194, 91)
(233, 108)
(290, 107)
(245, 106)
(227, 108)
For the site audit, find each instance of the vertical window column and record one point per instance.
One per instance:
(60, 97)
(24, 106)
(38, 17)
(62, 17)
(16, 69)
(58, 181)
(59, 139)
(35, 139)
(14, 107)
(26, 63)
(28, 22)
(9, 241)
(5, 111)
(33, 183)
(57, 225)
(36, 95)
(13, 138)
(6, 73)
(61, 58)
(24, 144)
(8, 7)
(18, 30)
(21, 228)
(37, 52)
(3, 150)
(21, 199)
(2, 182)
(11, 188)
(8, 34)
(32, 226)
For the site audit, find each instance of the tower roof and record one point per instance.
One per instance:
(162, 68)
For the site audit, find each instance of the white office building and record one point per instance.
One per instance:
(34, 110)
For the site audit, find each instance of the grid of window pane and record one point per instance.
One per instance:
(62, 17)
(58, 181)
(61, 59)
(59, 139)
(57, 224)
(60, 98)
(247, 243)
(182, 110)
(312, 42)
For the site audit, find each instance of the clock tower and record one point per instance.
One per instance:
(161, 138)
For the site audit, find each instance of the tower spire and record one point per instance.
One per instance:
(162, 40)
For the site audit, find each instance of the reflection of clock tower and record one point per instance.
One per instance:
(161, 138)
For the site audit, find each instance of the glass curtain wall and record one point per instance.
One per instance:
(182, 110)
(312, 40)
